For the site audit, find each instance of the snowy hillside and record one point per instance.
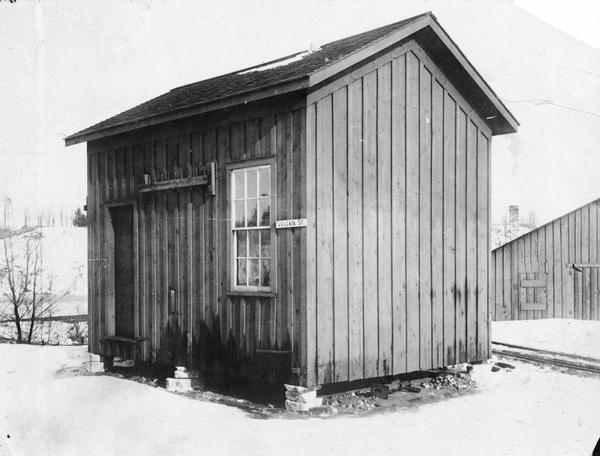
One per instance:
(65, 254)
(64, 266)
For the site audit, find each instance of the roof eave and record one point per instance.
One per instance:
(496, 115)
(500, 119)
(330, 71)
(505, 122)
(280, 88)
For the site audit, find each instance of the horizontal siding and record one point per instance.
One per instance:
(545, 255)
(183, 308)
(399, 187)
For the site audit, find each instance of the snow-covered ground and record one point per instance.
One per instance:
(48, 332)
(526, 411)
(573, 337)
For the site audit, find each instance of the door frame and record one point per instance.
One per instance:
(110, 263)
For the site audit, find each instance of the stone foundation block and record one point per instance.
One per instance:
(179, 385)
(96, 367)
(95, 358)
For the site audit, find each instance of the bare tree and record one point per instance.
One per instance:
(78, 330)
(27, 299)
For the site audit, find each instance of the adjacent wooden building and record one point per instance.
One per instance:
(319, 218)
(550, 272)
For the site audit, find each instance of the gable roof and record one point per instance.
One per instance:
(560, 217)
(304, 70)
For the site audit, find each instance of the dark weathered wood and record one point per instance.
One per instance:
(540, 266)
(524, 261)
(574, 290)
(407, 162)
(412, 213)
(593, 257)
(533, 306)
(398, 209)
(556, 275)
(390, 167)
(232, 141)
(461, 248)
(141, 299)
(180, 231)
(557, 269)
(122, 223)
(324, 219)
(282, 203)
(106, 322)
(503, 281)
(584, 258)
(355, 232)
(254, 100)
(483, 248)
(384, 221)
(369, 202)
(175, 184)
(514, 276)
(409, 87)
(533, 283)
(311, 246)
(340, 233)
(93, 248)
(222, 303)
(472, 240)
(299, 358)
(425, 219)
(437, 225)
(578, 278)
(449, 236)
(567, 273)
(549, 268)
(127, 340)
(210, 153)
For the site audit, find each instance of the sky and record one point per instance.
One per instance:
(66, 65)
(579, 18)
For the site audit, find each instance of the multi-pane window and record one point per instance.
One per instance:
(251, 227)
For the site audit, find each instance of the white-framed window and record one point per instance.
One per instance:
(251, 227)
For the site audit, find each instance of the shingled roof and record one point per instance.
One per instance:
(295, 67)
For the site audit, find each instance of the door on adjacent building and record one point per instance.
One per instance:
(122, 222)
(532, 291)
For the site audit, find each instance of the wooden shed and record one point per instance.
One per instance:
(319, 218)
(550, 272)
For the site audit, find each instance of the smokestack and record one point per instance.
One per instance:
(513, 217)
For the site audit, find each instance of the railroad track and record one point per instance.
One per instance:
(564, 360)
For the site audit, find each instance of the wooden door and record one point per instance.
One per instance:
(532, 294)
(122, 222)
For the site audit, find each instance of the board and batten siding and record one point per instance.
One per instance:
(183, 307)
(533, 276)
(397, 171)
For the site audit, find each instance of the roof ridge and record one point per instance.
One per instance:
(595, 200)
(391, 26)
(298, 67)
(269, 62)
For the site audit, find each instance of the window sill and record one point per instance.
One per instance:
(259, 294)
